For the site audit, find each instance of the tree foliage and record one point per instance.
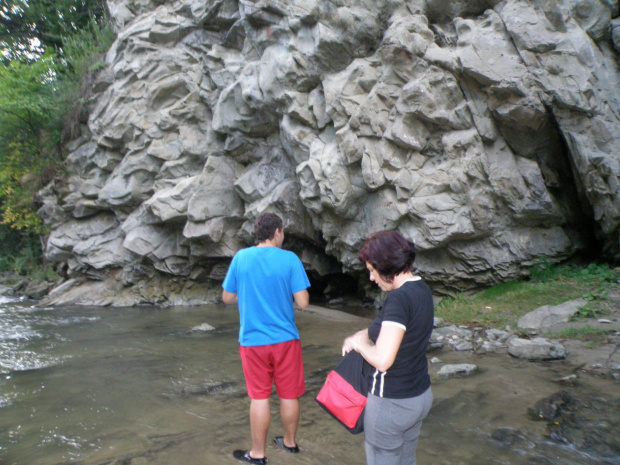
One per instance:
(29, 27)
(29, 136)
(49, 47)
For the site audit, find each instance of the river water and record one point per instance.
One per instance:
(137, 386)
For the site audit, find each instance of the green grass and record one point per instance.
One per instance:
(505, 303)
(594, 336)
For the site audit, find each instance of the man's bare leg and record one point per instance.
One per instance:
(260, 419)
(289, 412)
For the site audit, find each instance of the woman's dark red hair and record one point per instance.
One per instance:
(389, 253)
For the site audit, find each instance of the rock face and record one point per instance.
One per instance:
(486, 131)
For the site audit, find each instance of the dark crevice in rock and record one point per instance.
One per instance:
(578, 211)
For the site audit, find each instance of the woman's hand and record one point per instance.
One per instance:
(380, 355)
(355, 342)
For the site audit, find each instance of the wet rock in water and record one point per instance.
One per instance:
(457, 369)
(436, 342)
(490, 346)
(336, 301)
(536, 349)
(508, 436)
(454, 332)
(463, 346)
(550, 408)
(37, 289)
(570, 380)
(459, 338)
(4, 290)
(203, 328)
(589, 424)
(11, 288)
(206, 389)
(497, 335)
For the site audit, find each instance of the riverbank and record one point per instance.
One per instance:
(481, 323)
(601, 357)
(24, 287)
(571, 396)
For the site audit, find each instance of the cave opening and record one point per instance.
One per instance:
(334, 288)
(581, 225)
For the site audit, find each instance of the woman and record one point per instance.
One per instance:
(395, 345)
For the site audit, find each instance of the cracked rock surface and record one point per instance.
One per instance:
(486, 131)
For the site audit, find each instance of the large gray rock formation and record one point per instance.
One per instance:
(486, 131)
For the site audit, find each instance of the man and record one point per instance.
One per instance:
(266, 280)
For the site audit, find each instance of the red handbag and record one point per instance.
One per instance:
(344, 393)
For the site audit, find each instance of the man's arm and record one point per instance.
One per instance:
(229, 297)
(302, 299)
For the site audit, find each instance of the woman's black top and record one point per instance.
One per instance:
(411, 308)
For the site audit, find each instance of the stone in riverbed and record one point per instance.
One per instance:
(550, 315)
(454, 332)
(463, 346)
(497, 335)
(203, 328)
(508, 436)
(436, 341)
(457, 369)
(490, 346)
(536, 349)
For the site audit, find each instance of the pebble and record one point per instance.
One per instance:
(461, 368)
(570, 379)
(463, 345)
(203, 327)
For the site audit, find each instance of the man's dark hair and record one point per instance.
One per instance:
(389, 253)
(266, 225)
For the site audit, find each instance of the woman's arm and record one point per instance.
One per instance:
(380, 355)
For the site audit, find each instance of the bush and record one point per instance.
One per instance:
(20, 252)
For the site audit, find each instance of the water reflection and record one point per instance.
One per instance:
(142, 385)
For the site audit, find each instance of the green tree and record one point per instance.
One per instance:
(29, 137)
(50, 50)
(29, 27)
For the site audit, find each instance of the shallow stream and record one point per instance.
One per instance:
(137, 386)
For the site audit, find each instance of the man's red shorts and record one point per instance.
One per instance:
(282, 363)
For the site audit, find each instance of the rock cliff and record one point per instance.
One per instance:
(486, 131)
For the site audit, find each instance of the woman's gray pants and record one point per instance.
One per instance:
(392, 428)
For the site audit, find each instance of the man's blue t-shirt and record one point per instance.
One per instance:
(265, 279)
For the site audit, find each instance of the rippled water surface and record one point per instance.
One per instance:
(139, 386)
